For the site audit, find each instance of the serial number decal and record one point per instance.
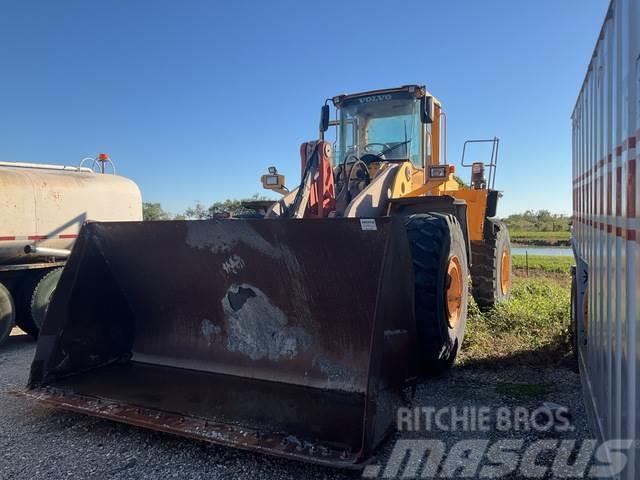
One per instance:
(368, 224)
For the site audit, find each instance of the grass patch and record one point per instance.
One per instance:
(565, 235)
(523, 390)
(532, 327)
(543, 263)
(540, 238)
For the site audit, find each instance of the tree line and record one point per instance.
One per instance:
(538, 221)
(199, 211)
(528, 221)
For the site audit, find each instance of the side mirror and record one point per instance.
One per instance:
(324, 118)
(427, 109)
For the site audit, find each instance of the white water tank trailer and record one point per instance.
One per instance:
(42, 208)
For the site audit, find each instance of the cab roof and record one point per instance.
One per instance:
(417, 90)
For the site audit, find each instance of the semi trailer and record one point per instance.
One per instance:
(605, 291)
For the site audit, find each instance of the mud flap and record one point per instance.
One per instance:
(289, 337)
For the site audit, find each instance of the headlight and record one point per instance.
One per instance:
(439, 171)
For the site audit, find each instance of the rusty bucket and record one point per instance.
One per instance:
(288, 337)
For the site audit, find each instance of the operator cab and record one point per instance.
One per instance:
(373, 129)
(381, 126)
(390, 126)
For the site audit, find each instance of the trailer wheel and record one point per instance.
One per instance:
(441, 274)
(22, 294)
(491, 266)
(7, 313)
(42, 295)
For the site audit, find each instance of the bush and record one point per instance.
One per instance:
(538, 221)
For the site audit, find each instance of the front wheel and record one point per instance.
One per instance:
(441, 275)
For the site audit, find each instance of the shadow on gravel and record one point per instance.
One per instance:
(16, 341)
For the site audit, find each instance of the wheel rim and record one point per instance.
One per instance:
(505, 272)
(454, 291)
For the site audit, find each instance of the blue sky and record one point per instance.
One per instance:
(194, 99)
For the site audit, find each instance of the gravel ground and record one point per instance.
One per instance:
(38, 442)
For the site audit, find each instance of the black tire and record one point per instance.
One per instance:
(434, 239)
(42, 295)
(7, 313)
(22, 298)
(486, 266)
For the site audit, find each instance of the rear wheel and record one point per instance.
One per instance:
(7, 313)
(491, 266)
(440, 264)
(42, 295)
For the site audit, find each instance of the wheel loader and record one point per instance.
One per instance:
(299, 333)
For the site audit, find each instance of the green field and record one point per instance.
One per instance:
(540, 238)
(542, 263)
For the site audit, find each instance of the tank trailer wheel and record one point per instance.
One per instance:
(42, 295)
(22, 298)
(7, 313)
(491, 266)
(441, 274)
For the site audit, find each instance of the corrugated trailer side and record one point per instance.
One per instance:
(606, 130)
